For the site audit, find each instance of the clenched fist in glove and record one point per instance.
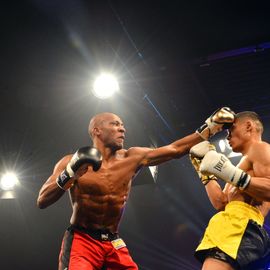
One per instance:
(201, 149)
(221, 119)
(220, 166)
(78, 165)
(196, 154)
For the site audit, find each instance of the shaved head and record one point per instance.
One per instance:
(98, 120)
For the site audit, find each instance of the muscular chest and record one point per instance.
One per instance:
(254, 164)
(112, 178)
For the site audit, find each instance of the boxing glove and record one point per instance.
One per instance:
(220, 166)
(222, 118)
(83, 157)
(199, 150)
(196, 153)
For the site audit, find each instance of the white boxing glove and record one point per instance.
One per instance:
(196, 154)
(196, 162)
(220, 166)
(199, 150)
(221, 119)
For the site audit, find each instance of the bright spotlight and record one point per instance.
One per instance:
(226, 149)
(8, 181)
(222, 145)
(154, 172)
(105, 86)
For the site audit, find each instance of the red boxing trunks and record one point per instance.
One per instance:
(84, 249)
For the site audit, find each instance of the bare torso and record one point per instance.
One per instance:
(234, 194)
(98, 198)
(251, 164)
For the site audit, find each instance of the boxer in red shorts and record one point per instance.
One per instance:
(99, 179)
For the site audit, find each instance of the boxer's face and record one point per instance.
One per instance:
(113, 132)
(236, 136)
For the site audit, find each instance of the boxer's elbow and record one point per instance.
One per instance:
(218, 206)
(219, 203)
(48, 196)
(41, 202)
(45, 201)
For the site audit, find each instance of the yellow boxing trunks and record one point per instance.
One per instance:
(232, 230)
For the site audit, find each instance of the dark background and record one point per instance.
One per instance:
(176, 62)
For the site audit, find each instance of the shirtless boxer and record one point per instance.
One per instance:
(98, 180)
(235, 237)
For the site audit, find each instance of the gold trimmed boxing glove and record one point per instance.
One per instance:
(196, 162)
(221, 119)
(196, 154)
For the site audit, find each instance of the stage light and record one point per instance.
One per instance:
(154, 172)
(8, 181)
(222, 145)
(226, 149)
(105, 86)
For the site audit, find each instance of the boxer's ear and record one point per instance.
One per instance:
(96, 131)
(249, 126)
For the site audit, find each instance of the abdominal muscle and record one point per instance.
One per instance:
(98, 202)
(98, 212)
(234, 194)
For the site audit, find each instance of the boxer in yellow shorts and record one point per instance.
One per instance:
(235, 238)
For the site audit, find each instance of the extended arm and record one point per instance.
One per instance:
(171, 151)
(177, 149)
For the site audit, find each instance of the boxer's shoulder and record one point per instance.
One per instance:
(138, 150)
